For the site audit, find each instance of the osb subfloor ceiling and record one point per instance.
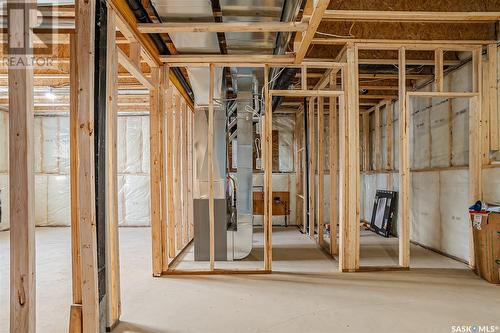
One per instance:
(56, 77)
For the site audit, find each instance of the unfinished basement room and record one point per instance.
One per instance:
(249, 166)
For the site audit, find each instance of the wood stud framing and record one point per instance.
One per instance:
(268, 170)
(333, 167)
(321, 171)
(404, 165)
(312, 166)
(21, 179)
(171, 143)
(76, 266)
(155, 172)
(85, 182)
(210, 158)
(349, 169)
(112, 243)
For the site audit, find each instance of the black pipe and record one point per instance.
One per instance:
(282, 83)
(100, 162)
(142, 16)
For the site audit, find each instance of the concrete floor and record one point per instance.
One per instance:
(306, 294)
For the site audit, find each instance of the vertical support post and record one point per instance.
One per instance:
(85, 13)
(170, 174)
(296, 159)
(178, 173)
(164, 96)
(389, 119)
(333, 152)
(303, 77)
(305, 167)
(404, 165)
(493, 97)
(366, 141)
(349, 167)
(485, 113)
(321, 170)
(185, 115)
(438, 69)
(211, 201)
(155, 173)
(268, 173)
(190, 173)
(76, 266)
(475, 151)
(21, 176)
(112, 237)
(312, 168)
(378, 143)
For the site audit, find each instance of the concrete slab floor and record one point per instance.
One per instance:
(306, 294)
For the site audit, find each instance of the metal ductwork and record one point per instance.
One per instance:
(142, 16)
(242, 236)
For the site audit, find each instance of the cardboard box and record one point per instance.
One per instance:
(486, 233)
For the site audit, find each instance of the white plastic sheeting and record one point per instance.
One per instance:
(133, 171)
(285, 127)
(51, 165)
(438, 200)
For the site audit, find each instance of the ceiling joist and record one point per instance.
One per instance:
(222, 27)
(410, 16)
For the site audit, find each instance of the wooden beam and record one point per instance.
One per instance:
(389, 134)
(76, 266)
(416, 62)
(135, 51)
(155, 178)
(493, 97)
(312, 167)
(314, 21)
(268, 174)
(475, 132)
(85, 12)
(439, 70)
(333, 167)
(112, 237)
(170, 174)
(190, 173)
(485, 113)
(185, 114)
(210, 158)
(410, 16)
(165, 98)
(366, 141)
(21, 175)
(127, 21)
(321, 170)
(349, 169)
(207, 59)
(133, 69)
(396, 43)
(175, 27)
(178, 173)
(441, 94)
(404, 165)
(305, 93)
(377, 139)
